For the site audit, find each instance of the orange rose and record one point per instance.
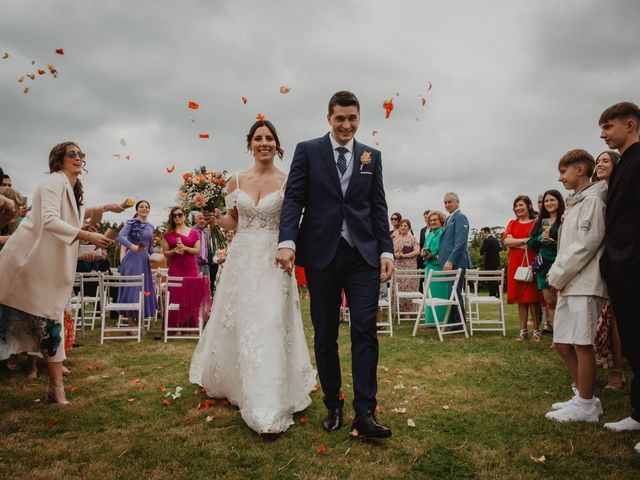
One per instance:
(186, 176)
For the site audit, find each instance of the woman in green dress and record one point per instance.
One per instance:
(430, 251)
(543, 240)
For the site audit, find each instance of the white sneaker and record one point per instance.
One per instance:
(574, 413)
(561, 405)
(625, 425)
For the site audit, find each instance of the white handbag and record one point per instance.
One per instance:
(524, 273)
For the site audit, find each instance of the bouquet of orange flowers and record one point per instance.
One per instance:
(202, 190)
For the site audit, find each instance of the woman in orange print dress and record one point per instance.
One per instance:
(525, 294)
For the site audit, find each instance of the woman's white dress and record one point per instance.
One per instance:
(253, 350)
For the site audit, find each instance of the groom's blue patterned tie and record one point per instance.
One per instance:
(342, 161)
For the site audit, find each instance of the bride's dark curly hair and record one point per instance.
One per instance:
(56, 162)
(269, 125)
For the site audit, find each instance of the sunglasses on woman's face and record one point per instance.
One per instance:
(394, 219)
(75, 154)
(178, 215)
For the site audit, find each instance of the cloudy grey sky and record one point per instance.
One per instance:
(515, 85)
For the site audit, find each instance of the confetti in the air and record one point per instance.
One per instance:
(117, 155)
(193, 105)
(128, 157)
(171, 169)
(260, 117)
(53, 70)
(41, 72)
(285, 89)
(60, 51)
(244, 100)
(423, 101)
(429, 86)
(388, 107)
(374, 133)
(123, 142)
(26, 90)
(5, 55)
(193, 120)
(203, 135)
(31, 76)
(21, 79)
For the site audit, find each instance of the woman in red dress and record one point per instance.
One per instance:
(525, 294)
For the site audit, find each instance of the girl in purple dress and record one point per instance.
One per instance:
(137, 238)
(181, 245)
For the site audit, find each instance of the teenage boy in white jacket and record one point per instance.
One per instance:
(581, 291)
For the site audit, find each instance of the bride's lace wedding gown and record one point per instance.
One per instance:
(253, 350)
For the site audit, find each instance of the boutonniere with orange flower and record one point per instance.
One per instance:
(365, 159)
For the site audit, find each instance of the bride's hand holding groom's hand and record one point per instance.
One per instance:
(286, 259)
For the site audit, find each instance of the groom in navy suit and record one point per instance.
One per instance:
(335, 185)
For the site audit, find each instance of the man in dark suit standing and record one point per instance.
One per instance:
(490, 250)
(423, 235)
(620, 263)
(343, 242)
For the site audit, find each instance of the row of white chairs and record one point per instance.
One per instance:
(471, 296)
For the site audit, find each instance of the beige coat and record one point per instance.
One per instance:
(38, 262)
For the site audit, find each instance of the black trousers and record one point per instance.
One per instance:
(624, 298)
(361, 283)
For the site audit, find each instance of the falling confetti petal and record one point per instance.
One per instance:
(128, 157)
(397, 94)
(373, 134)
(60, 51)
(31, 76)
(193, 120)
(53, 422)
(203, 135)
(423, 102)
(260, 117)
(541, 459)
(193, 105)
(117, 155)
(41, 72)
(429, 86)
(123, 142)
(21, 79)
(53, 70)
(411, 423)
(5, 56)
(244, 100)
(285, 89)
(321, 448)
(26, 90)
(388, 107)
(33, 62)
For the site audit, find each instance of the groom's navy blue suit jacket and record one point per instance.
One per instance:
(313, 192)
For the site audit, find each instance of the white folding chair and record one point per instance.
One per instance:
(473, 301)
(384, 305)
(90, 278)
(76, 303)
(451, 277)
(400, 294)
(176, 282)
(109, 305)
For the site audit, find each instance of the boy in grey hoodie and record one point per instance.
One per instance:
(581, 290)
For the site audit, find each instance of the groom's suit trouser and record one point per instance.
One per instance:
(361, 283)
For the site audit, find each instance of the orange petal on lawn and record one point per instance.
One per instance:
(321, 448)
(285, 89)
(342, 396)
(388, 107)
(209, 402)
(189, 421)
(162, 388)
(203, 135)
(260, 117)
(303, 420)
(53, 422)
(60, 51)
(314, 389)
(171, 169)
(202, 390)
(141, 388)
(193, 105)
(244, 100)
(379, 409)
(74, 389)
(226, 402)
(136, 380)
(88, 368)
(166, 402)
(131, 400)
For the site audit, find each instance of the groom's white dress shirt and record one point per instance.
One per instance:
(344, 184)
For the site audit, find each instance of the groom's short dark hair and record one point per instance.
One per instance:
(344, 99)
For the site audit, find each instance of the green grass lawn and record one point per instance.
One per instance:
(478, 405)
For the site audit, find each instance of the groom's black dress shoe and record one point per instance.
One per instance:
(333, 422)
(366, 426)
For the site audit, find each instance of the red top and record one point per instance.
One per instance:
(520, 292)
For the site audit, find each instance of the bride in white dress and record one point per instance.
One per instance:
(253, 350)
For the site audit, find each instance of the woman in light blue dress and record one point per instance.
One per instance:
(431, 247)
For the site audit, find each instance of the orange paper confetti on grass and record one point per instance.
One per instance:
(342, 396)
(314, 389)
(203, 135)
(131, 400)
(136, 380)
(202, 390)
(171, 169)
(53, 422)
(321, 448)
(189, 421)
(388, 107)
(285, 90)
(166, 403)
(74, 389)
(244, 100)
(193, 105)
(60, 51)
(89, 368)
(303, 421)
